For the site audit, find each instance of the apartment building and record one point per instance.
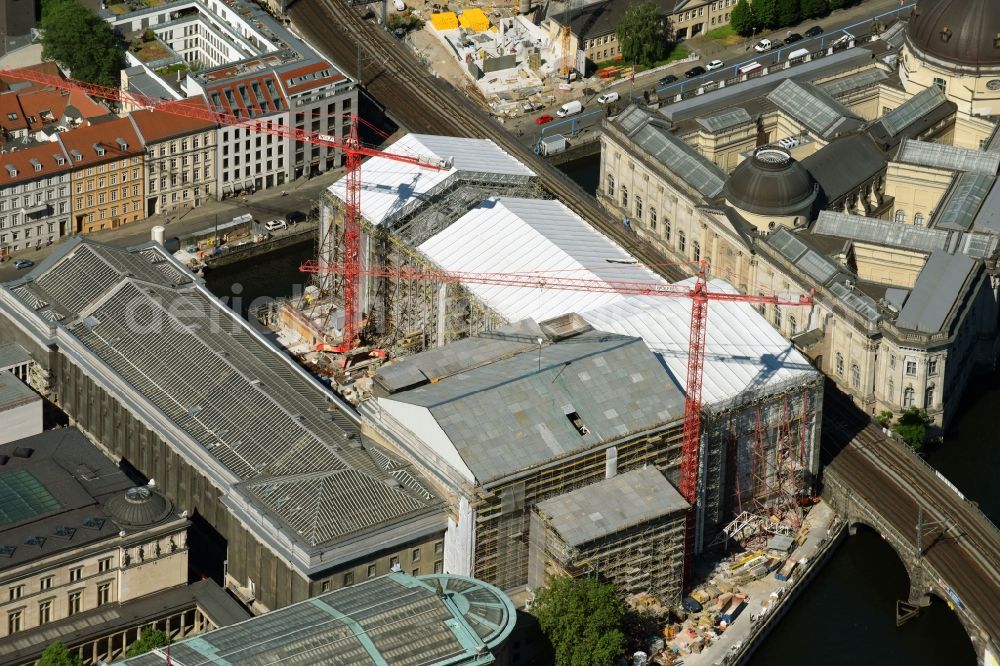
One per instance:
(34, 197)
(179, 167)
(107, 175)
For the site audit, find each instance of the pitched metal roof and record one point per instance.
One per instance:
(862, 79)
(939, 285)
(988, 217)
(657, 141)
(726, 119)
(944, 156)
(913, 109)
(813, 107)
(394, 619)
(606, 507)
(239, 409)
(518, 412)
(880, 232)
(963, 202)
(827, 165)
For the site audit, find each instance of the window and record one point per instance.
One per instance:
(326, 586)
(624, 197)
(14, 623)
(777, 317)
(652, 218)
(439, 547)
(75, 574)
(891, 391)
(74, 603)
(438, 566)
(666, 229)
(908, 397)
(840, 364)
(855, 376)
(394, 563)
(371, 570)
(348, 578)
(681, 242)
(932, 366)
(929, 397)
(911, 367)
(45, 583)
(103, 594)
(16, 592)
(941, 83)
(901, 216)
(45, 611)
(415, 555)
(638, 207)
(918, 219)
(697, 252)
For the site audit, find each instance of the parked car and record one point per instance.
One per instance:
(792, 38)
(23, 263)
(762, 45)
(667, 80)
(776, 44)
(273, 225)
(607, 98)
(814, 31)
(714, 65)
(697, 70)
(542, 119)
(295, 217)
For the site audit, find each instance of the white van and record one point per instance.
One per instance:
(798, 53)
(607, 98)
(762, 45)
(570, 109)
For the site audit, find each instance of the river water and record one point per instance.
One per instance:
(847, 615)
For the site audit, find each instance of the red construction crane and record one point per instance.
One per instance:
(351, 146)
(699, 294)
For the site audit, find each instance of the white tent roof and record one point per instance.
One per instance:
(388, 185)
(539, 237)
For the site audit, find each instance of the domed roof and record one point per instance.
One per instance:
(963, 32)
(771, 183)
(138, 507)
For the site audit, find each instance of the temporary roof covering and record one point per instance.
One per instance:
(388, 186)
(444, 21)
(542, 237)
(474, 20)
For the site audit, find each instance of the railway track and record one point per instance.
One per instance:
(966, 555)
(422, 103)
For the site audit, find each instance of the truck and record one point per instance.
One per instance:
(570, 109)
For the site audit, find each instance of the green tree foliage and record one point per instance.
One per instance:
(149, 639)
(407, 22)
(912, 427)
(884, 418)
(58, 655)
(80, 41)
(837, 4)
(582, 619)
(643, 34)
(743, 18)
(767, 14)
(789, 12)
(814, 8)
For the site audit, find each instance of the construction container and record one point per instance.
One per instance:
(552, 145)
(786, 570)
(474, 20)
(734, 610)
(444, 21)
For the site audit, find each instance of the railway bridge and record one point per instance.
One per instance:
(949, 548)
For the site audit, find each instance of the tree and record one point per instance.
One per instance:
(837, 4)
(884, 418)
(58, 654)
(912, 427)
(767, 13)
(582, 619)
(643, 34)
(789, 12)
(744, 18)
(80, 41)
(149, 639)
(814, 8)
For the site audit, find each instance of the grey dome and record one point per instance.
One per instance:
(963, 32)
(138, 507)
(771, 183)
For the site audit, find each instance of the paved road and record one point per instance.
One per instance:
(964, 546)
(265, 205)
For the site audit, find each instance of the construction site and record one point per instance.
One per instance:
(434, 265)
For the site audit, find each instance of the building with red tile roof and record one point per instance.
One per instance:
(107, 174)
(180, 169)
(34, 197)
